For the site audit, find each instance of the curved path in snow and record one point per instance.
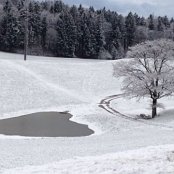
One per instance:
(106, 105)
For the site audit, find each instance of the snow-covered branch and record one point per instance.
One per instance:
(149, 71)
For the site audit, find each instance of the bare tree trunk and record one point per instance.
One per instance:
(154, 108)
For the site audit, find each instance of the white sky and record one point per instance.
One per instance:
(142, 7)
(162, 2)
(135, 1)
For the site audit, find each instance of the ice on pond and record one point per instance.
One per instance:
(45, 124)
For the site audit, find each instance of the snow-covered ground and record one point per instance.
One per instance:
(151, 160)
(78, 86)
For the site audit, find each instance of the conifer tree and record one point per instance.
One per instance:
(9, 28)
(99, 37)
(66, 36)
(160, 25)
(21, 21)
(166, 22)
(74, 31)
(130, 29)
(43, 33)
(151, 22)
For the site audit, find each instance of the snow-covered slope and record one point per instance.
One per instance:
(77, 86)
(151, 160)
(42, 83)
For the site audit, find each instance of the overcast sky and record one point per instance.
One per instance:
(142, 7)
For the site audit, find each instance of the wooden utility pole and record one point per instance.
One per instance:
(54, 8)
(26, 31)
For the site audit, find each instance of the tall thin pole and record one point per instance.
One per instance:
(54, 7)
(26, 31)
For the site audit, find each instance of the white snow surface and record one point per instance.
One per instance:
(78, 86)
(151, 160)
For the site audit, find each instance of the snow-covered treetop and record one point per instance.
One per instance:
(157, 49)
(149, 71)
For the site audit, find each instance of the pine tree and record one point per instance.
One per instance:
(71, 33)
(74, 12)
(99, 37)
(130, 29)
(21, 20)
(93, 40)
(9, 28)
(122, 29)
(58, 7)
(60, 45)
(81, 9)
(86, 42)
(43, 33)
(142, 21)
(34, 24)
(166, 22)
(151, 22)
(66, 36)
(84, 46)
(160, 25)
(137, 19)
(117, 37)
(37, 25)
(45, 5)
(172, 20)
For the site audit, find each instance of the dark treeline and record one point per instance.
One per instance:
(56, 29)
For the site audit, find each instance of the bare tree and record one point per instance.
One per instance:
(149, 71)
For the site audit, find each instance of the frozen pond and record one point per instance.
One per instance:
(45, 124)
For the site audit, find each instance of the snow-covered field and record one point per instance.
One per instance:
(78, 86)
(151, 160)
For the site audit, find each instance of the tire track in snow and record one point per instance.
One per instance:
(105, 104)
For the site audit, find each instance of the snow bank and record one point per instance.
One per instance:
(151, 160)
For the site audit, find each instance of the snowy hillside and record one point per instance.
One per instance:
(88, 90)
(152, 160)
(44, 83)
